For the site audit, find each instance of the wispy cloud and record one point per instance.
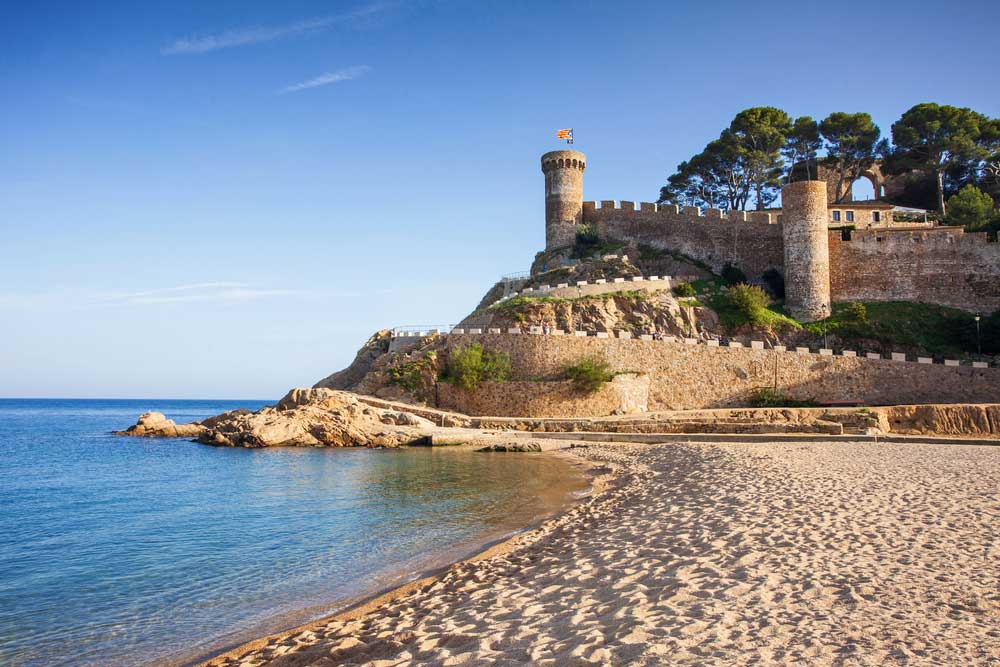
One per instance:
(345, 74)
(256, 35)
(71, 298)
(219, 292)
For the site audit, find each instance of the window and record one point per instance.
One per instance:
(836, 216)
(850, 216)
(876, 216)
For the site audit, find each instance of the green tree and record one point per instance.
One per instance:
(852, 146)
(942, 137)
(802, 145)
(971, 208)
(712, 178)
(760, 133)
(744, 161)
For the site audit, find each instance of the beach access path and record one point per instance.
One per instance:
(780, 553)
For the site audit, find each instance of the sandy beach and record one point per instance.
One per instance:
(705, 554)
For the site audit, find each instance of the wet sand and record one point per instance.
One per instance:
(704, 554)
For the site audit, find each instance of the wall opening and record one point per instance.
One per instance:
(862, 189)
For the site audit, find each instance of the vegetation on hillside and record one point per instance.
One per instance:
(471, 365)
(589, 244)
(936, 329)
(742, 305)
(519, 302)
(409, 375)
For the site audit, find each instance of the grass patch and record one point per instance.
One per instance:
(936, 329)
(588, 374)
(471, 365)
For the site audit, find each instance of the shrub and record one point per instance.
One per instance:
(588, 374)
(750, 301)
(775, 283)
(470, 365)
(587, 241)
(857, 312)
(414, 376)
(733, 275)
(767, 397)
(684, 289)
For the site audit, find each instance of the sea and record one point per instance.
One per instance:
(138, 551)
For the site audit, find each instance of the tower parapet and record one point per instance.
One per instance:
(807, 250)
(563, 196)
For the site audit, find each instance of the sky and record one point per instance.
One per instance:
(225, 199)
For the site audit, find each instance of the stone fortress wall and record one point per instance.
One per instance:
(942, 265)
(688, 374)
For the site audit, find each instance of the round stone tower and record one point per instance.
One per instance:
(563, 196)
(807, 250)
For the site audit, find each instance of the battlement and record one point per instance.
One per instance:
(564, 160)
(594, 211)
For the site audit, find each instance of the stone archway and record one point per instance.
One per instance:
(875, 177)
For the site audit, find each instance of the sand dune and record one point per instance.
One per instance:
(743, 554)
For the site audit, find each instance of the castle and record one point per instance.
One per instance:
(936, 265)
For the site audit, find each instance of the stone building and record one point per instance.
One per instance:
(937, 265)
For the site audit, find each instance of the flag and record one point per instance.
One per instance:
(566, 134)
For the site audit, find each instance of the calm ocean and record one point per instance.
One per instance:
(123, 551)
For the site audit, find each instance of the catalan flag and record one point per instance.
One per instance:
(566, 134)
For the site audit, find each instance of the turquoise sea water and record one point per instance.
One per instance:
(123, 551)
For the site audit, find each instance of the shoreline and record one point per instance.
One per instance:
(598, 478)
(821, 553)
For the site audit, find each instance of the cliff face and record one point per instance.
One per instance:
(615, 311)
(369, 353)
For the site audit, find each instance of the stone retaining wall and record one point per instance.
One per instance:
(690, 376)
(626, 394)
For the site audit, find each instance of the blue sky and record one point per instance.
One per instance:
(224, 199)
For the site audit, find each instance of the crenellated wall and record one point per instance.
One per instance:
(750, 240)
(943, 266)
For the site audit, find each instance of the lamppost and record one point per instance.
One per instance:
(979, 343)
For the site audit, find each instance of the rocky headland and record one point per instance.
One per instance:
(303, 418)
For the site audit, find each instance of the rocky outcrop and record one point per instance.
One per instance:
(958, 419)
(156, 425)
(303, 418)
(612, 311)
(318, 418)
